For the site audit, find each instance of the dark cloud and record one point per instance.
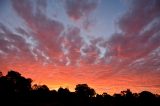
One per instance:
(76, 9)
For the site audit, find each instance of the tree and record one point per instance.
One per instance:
(20, 83)
(63, 91)
(6, 87)
(84, 90)
(146, 95)
(40, 88)
(1, 74)
(146, 98)
(13, 74)
(127, 93)
(64, 94)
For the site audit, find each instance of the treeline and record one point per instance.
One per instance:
(16, 90)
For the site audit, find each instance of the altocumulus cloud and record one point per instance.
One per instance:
(134, 51)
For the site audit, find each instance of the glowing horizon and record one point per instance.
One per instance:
(109, 45)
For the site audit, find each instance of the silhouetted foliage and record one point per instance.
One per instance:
(16, 90)
(1, 74)
(84, 90)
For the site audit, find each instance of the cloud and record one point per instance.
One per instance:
(38, 21)
(77, 9)
(72, 41)
(10, 42)
(48, 38)
(19, 46)
(132, 43)
(44, 29)
(130, 57)
(138, 17)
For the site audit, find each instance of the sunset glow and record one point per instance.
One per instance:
(111, 45)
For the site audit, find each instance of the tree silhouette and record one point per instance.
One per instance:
(1, 74)
(20, 83)
(84, 90)
(6, 87)
(16, 90)
(40, 88)
(13, 74)
(63, 91)
(147, 98)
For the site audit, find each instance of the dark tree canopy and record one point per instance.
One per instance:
(13, 74)
(84, 90)
(1, 74)
(14, 82)
(40, 87)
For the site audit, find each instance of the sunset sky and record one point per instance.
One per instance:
(111, 45)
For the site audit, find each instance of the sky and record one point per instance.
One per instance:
(112, 45)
